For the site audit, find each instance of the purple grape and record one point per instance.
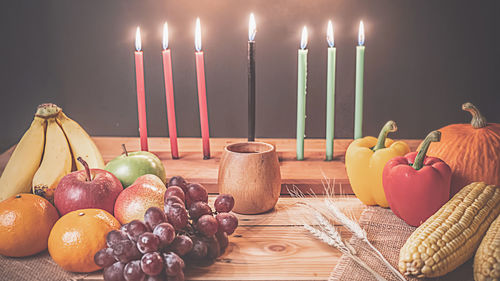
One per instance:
(171, 200)
(178, 181)
(165, 232)
(199, 209)
(125, 251)
(104, 257)
(227, 222)
(115, 236)
(135, 229)
(181, 245)
(133, 271)
(159, 277)
(154, 216)
(178, 277)
(177, 216)
(213, 249)
(207, 225)
(223, 240)
(114, 272)
(123, 228)
(203, 262)
(173, 264)
(199, 250)
(196, 192)
(175, 191)
(152, 263)
(224, 203)
(148, 242)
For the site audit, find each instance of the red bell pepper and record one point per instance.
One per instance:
(416, 186)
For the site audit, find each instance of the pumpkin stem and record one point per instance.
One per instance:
(433, 136)
(390, 126)
(478, 121)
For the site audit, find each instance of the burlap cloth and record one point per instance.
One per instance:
(35, 268)
(387, 233)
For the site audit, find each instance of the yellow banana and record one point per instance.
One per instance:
(81, 143)
(56, 162)
(24, 162)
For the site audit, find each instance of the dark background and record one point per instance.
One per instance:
(423, 60)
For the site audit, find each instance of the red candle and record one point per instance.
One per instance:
(169, 93)
(141, 96)
(202, 94)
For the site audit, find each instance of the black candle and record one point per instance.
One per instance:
(251, 78)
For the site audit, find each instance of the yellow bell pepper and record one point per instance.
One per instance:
(365, 159)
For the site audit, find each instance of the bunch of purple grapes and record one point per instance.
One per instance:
(186, 231)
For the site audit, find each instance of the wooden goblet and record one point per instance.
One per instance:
(250, 171)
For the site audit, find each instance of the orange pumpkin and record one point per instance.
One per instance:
(471, 150)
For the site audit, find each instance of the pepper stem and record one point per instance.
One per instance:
(478, 120)
(433, 136)
(390, 126)
(87, 169)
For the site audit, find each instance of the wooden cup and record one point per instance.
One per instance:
(250, 171)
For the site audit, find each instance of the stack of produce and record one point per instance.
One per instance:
(415, 185)
(185, 231)
(95, 207)
(46, 153)
(459, 160)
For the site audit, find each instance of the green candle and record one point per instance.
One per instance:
(330, 92)
(360, 67)
(301, 95)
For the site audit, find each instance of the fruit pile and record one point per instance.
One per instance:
(45, 154)
(186, 230)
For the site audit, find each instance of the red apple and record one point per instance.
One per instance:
(147, 191)
(89, 188)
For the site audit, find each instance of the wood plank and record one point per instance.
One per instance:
(306, 175)
(273, 246)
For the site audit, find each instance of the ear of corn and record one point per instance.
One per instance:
(451, 236)
(487, 259)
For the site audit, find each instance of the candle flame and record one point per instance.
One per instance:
(165, 36)
(252, 28)
(138, 44)
(361, 34)
(303, 40)
(197, 35)
(329, 34)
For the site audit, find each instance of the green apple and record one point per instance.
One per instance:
(131, 165)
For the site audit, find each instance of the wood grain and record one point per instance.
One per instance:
(307, 175)
(274, 246)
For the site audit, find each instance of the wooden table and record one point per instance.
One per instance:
(271, 246)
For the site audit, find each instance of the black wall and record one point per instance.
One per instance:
(423, 60)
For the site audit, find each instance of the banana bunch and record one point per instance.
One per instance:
(46, 153)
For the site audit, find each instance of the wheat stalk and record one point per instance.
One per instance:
(333, 239)
(358, 232)
(339, 216)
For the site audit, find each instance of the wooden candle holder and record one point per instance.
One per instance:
(307, 175)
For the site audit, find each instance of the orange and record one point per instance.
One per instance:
(25, 224)
(77, 236)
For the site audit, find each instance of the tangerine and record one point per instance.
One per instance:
(25, 224)
(78, 236)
